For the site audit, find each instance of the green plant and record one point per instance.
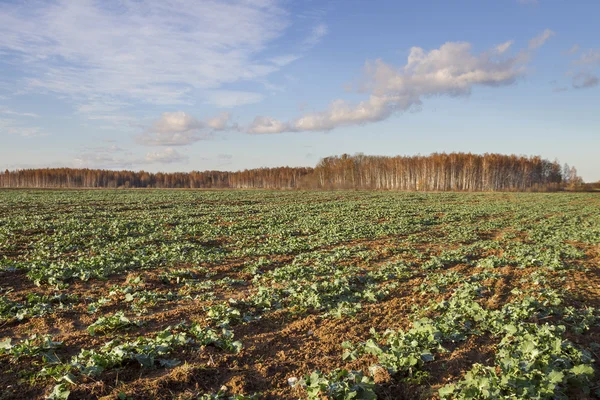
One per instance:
(111, 323)
(339, 385)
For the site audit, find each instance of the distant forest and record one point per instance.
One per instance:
(436, 172)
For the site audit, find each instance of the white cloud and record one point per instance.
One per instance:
(13, 127)
(316, 35)
(7, 111)
(107, 109)
(539, 40)
(501, 48)
(101, 160)
(342, 113)
(221, 122)
(154, 51)
(115, 157)
(573, 50)
(590, 57)
(263, 125)
(232, 98)
(285, 59)
(587, 63)
(167, 156)
(173, 129)
(113, 148)
(180, 129)
(450, 70)
(173, 122)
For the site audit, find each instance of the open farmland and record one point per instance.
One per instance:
(258, 294)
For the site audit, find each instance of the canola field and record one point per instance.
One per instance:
(175, 294)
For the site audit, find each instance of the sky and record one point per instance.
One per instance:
(181, 85)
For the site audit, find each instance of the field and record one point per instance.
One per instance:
(282, 295)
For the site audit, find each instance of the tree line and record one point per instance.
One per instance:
(436, 172)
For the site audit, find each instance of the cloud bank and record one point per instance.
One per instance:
(451, 70)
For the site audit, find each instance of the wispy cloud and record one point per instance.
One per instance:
(113, 148)
(585, 80)
(232, 98)
(316, 35)
(585, 75)
(590, 57)
(7, 111)
(115, 157)
(108, 110)
(156, 51)
(450, 70)
(13, 127)
(540, 39)
(572, 50)
(166, 156)
(101, 160)
(502, 48)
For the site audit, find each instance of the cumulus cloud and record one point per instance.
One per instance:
(174, 122)
(262, 125)
(173, 129)
(166, 156)
(221, 122)
(451, 70)
(584, 80)
(180, 129)
(540, 39)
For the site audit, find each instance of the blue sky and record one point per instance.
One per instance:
(185, 85)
